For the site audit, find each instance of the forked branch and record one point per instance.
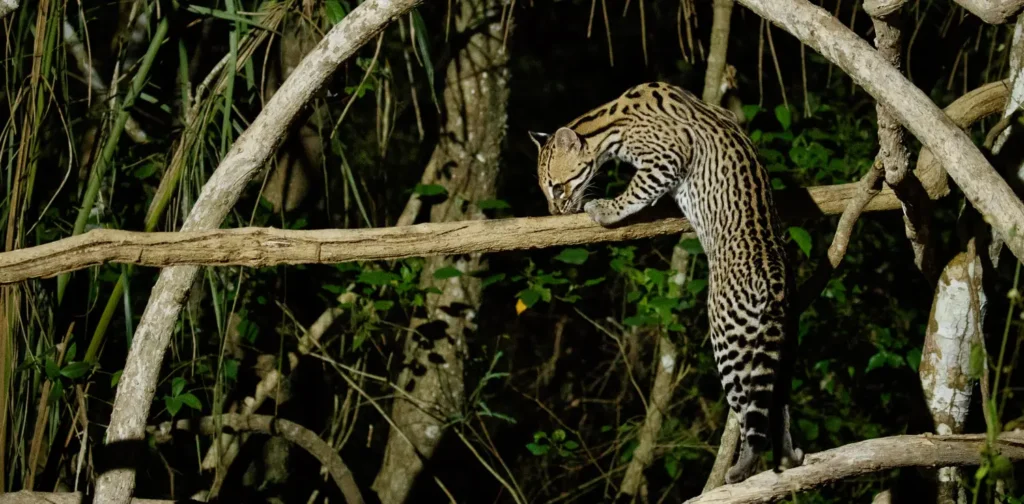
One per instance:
(972, 172)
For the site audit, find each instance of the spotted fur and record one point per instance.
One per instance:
(698, 153)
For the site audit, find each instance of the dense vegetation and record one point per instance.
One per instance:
(563, 344)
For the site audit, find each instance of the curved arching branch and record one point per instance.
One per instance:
(266, 424)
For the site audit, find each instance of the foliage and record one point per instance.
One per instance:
(561, 350)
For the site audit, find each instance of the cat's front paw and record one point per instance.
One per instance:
(602, 211)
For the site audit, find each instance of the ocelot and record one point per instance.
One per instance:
(698, 153)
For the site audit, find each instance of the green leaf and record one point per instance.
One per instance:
(750, 111)
(537, 449)
(977, 361)
(75, 370)
(191, 401)
(72, 352)
(429, 189)
(878, 360)
(231, 369)
(664, 303)
(802, 239)
(173, 404)
(672, 466)
(493, 204)
(383, 305)
(593, 281)
(809, 429)
(696, 285)
(692, 246)
(56, 391)
(52, 371)
(833, 424)
(492, 279)
(573, 256)
(529, 297)
(656, 277)
(784, 116)
(914, 358)
(1002, 468)
(894, 360)
(335, 11)
(571, 445)
(447, 272)
(558, 435)
(116, 377)
(378, 277)
(145, 171)
(177, 385)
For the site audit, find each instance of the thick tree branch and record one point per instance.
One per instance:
(661, 397)
(29, 497)
(860, 458)
(892, 148)
(247, 156)
(965, 111)
(260, 247)
(726, 451)
(981, 184)
(714, 85)
(993, 11)
(266, 424)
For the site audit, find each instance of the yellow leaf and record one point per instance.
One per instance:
(520, 306)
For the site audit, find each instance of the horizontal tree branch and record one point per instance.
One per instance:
(993, 11)
(264, 247)
(864, 457)
(260, 247)
(29, 497)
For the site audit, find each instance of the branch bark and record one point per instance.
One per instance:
(259, 247)
(1009, 154)
(993, 11)
(247, 156)
(980, 183)
(892, 148)
(860, 458)
(661, 396)
(714, 86)
(264, 247)
(29, 497)
(953, 325)
(267, 424)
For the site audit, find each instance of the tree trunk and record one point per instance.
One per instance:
(954, 324)
(468, 154)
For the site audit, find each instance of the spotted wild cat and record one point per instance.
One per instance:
(699, 155)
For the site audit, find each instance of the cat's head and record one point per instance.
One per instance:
(565, 167)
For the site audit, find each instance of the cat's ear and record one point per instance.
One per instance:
(539, 139)
(567, 139)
